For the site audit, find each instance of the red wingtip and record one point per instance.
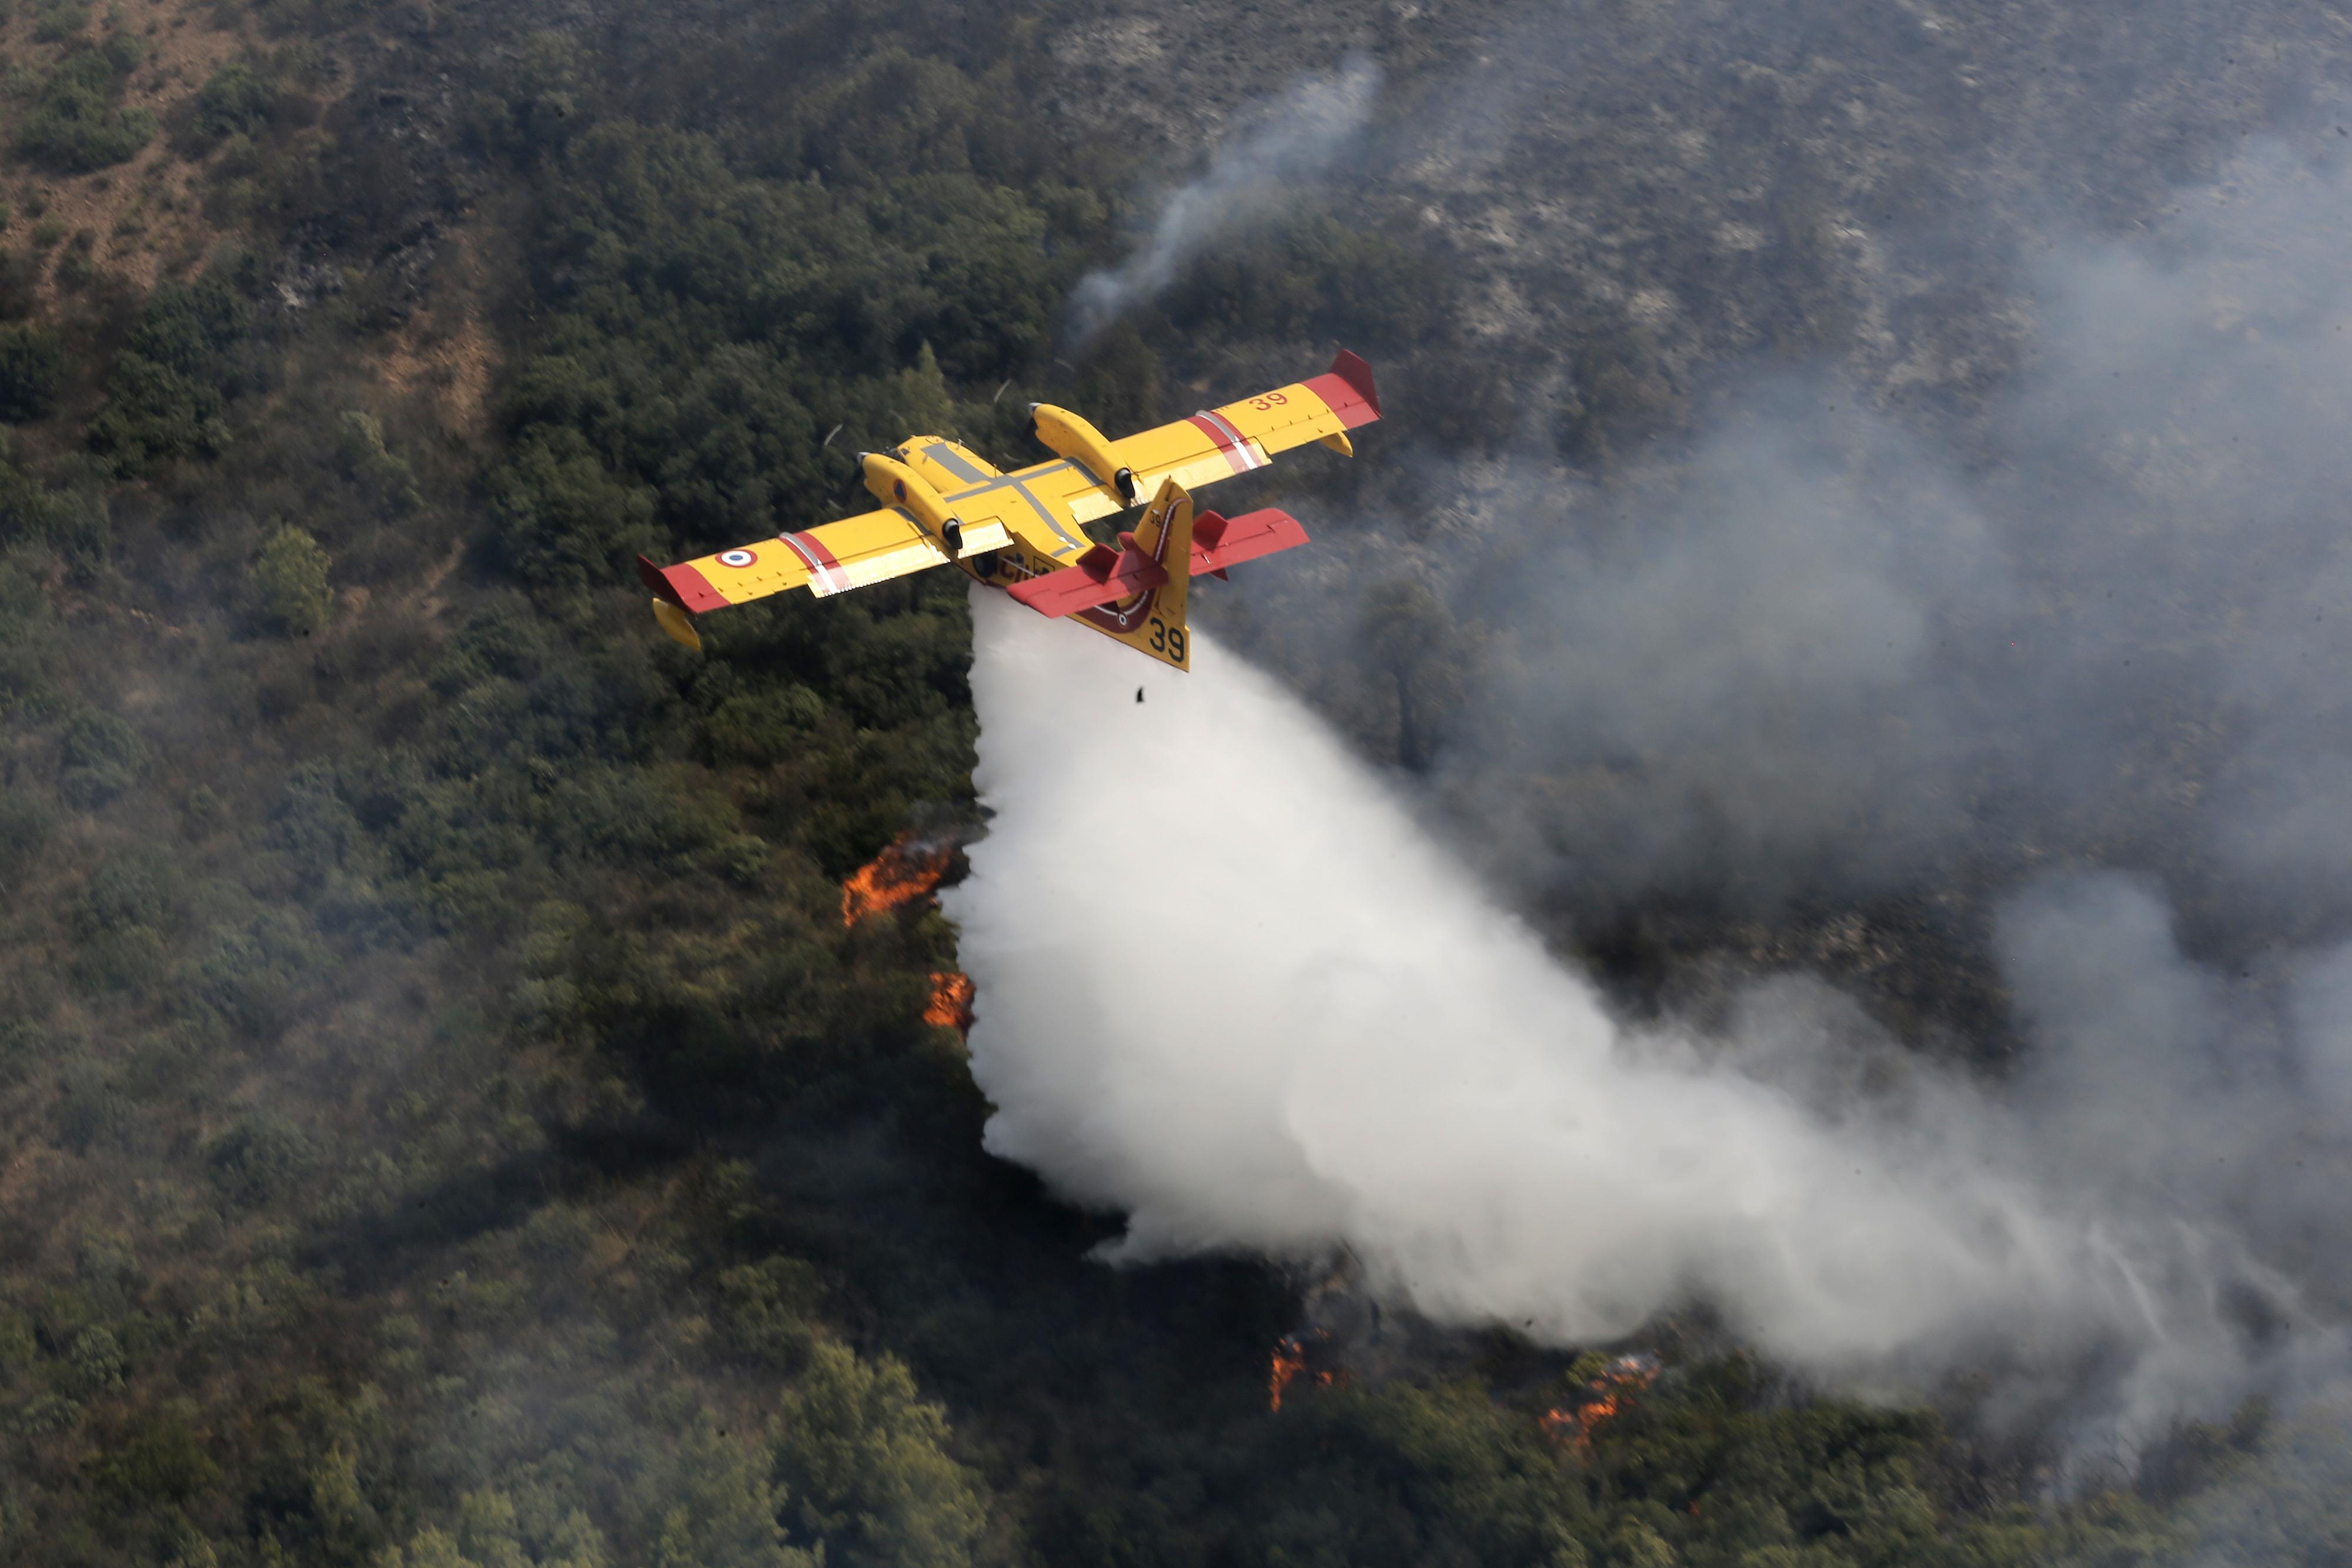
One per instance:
(651, 576)
(1350, 368)
(680, 585)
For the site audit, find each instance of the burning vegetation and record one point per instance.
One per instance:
(1293, 1357)
(907, 870)
(1606, 1395)
(950, 1001)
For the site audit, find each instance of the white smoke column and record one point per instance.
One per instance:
(1302, 134)
(1227, 984)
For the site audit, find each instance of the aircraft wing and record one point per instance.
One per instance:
(855, 552)
(1041, 506)
(1218, 442)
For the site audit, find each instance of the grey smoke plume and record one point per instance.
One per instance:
(1826, 653)
(1296, 137)
(1228, 986)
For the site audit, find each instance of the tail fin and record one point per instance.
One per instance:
(1152, 622)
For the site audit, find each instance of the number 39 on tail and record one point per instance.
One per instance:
(1025, 531)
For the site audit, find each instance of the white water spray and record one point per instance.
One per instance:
(1229, 986)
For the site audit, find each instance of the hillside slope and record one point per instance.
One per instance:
(449, 1118)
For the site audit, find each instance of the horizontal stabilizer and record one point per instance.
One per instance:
(1220, 542)
(1103, 575)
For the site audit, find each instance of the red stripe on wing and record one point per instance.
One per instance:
(1228, 440)
(820, 562)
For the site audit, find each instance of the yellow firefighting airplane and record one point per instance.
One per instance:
(1023, 531)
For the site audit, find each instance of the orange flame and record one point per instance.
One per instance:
(951, 1002)
(1290, 1361)
(1574, 1425)
(1290, 1365)
(900, 874)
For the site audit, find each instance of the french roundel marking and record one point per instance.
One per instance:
(736, 558)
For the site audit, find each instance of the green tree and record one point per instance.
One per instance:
(864, 1461)
(32, 364)
(290, 581)
(724, 1515)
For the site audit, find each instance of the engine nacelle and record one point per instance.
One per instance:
(1067, 434)
(894, 484)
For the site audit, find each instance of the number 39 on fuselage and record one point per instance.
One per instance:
(1024, 532)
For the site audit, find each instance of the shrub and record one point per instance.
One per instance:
(23, 1047)
(162, 1460)
(32, 364)
(75, 270)
(291, 581)
(131, 888)
(192, 328)
(58, 22)
(258, 1157)
(153, 412)
(237, 100)
(364, 459)
(75, 521)
(123, 52)
(94, 1363)
(168, 391)
(763, 726)
(102, 757)
(89, 1106)
(563, 516)
(25, 829)
(75, 127)
(771, 1310)
(20, 285)
(254, 975)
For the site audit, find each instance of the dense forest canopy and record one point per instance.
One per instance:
(449, 1122)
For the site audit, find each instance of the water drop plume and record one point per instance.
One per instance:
(1228, 986)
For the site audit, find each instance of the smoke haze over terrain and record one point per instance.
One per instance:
(1295, 137)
